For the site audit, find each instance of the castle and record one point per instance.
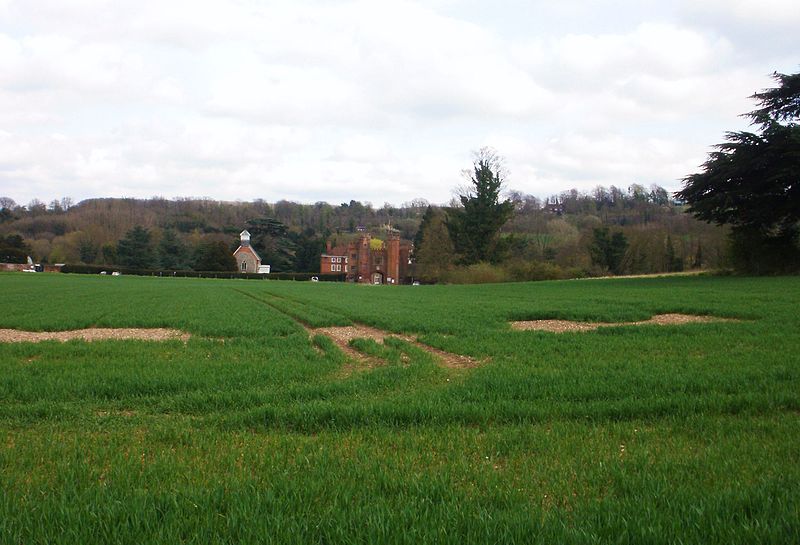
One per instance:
(388, 264)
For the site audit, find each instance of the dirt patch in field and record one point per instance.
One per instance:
(93, 334)
(342, 336)
(126, 414)
(566, 326)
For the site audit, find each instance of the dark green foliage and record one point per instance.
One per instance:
(172, 252)
(13, 249)
(475, 227)
(780, 103)
(427, 217)
(752, 183)
(608, 250)
(87, 249)
(672, 263)
(753, 252)
(270, 238)
(308, 248)
(108, 253)
(136, 250)
(434, 255)
(214, 255)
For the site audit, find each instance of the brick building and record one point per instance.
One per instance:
(361, 263)
(247, 259)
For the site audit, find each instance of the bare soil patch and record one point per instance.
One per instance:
(93, 334)
(343, 335)
(566, 326)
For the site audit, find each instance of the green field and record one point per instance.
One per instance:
(251, 432)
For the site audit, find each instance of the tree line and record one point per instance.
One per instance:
(485, 235)
(529, 238)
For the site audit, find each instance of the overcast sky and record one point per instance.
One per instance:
(379, 101)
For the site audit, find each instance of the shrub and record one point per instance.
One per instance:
(97, 269)
(479, 273)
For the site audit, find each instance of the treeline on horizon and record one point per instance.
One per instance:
(637, 230)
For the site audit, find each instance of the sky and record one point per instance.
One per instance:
(376, 101)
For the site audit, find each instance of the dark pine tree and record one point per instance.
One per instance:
(214, 255)
(608, 250)
(752, 183)
(475, 226)
(135, 249)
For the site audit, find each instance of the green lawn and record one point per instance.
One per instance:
(253, 433)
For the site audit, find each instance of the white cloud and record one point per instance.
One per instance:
(362, 148)
(781, 13)
(369, 100)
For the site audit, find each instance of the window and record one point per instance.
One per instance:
(244, 266)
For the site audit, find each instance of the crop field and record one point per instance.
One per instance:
(262, 427)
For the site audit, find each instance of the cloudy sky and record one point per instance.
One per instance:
(379, 101)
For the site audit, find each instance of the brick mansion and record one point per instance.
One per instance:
(368, 263)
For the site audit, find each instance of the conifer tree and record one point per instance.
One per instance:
(475, 226)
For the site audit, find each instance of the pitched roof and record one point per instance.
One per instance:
(248, 249)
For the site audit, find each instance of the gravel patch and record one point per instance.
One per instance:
(566, 326)
(93, 334)
(343, 335)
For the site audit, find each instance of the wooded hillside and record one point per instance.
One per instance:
(569, 234)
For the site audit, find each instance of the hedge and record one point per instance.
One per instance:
(97, 269)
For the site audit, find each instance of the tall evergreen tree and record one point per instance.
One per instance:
(135, 249)
(270, 238)
(752, 183)
(13, 249)
(607, 251)
(172, 252)
(475, 226)
(214, 255)
(672, 262)
(308, 246)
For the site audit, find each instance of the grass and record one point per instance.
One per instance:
(250, 432)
